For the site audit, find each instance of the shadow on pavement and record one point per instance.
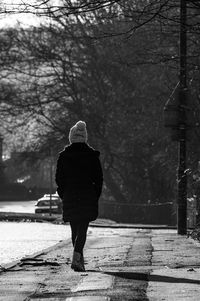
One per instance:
(147, 277)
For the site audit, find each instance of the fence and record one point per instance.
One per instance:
(162, 213)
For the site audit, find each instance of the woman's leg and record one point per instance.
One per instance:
(81, 235)
(74, 228)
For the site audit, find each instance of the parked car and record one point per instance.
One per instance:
(45, 204)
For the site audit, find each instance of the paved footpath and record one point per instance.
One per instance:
(121, 264)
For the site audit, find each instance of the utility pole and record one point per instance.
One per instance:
(182, 176)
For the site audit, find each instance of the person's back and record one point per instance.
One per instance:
(80, 178)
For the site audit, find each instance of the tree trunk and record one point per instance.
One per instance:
(114, 188)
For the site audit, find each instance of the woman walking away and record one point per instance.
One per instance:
(79, 179)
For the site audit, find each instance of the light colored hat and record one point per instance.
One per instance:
(78, 133)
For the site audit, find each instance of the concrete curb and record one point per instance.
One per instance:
(13, 216)
(132, 226)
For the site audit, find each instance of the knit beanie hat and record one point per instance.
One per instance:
(78, 133)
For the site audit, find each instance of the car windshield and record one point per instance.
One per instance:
(46, 203)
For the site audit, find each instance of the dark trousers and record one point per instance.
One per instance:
(79, 235)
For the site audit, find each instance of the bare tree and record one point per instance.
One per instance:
(63, 75)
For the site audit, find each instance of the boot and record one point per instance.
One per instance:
(77, 263)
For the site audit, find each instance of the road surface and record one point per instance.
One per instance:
(24, 238)
(23, 206)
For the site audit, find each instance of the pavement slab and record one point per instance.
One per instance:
(94, 281)
(175, 271)
(174, 285)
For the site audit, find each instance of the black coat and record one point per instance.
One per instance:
(79, 179)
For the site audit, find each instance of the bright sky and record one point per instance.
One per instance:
(25, 19)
